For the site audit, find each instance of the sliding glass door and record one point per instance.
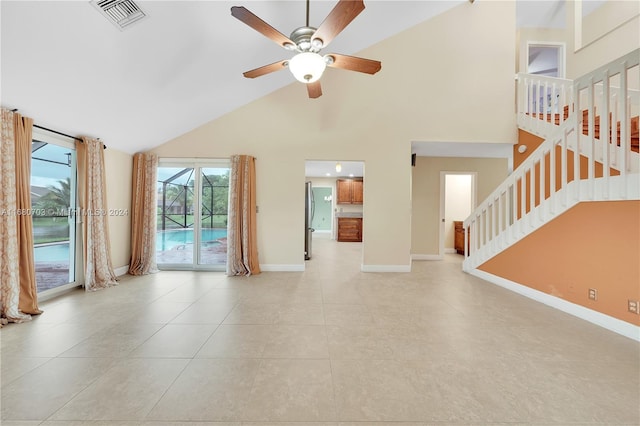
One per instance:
(193, 200)
(53, 195)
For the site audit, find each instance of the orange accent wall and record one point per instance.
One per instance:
(593, 245)
(533, 142)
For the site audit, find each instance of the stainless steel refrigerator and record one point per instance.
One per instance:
(309, 207)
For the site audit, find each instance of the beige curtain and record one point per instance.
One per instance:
(18, 294)
(98, 270)
(143, 215)
(242, 247)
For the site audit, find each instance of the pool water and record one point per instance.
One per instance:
(167, 240)
(59, 252)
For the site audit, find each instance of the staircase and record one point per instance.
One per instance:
(573, 164)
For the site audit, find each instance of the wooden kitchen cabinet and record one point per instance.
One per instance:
(458, 236)
(350, 229)
(350, 191)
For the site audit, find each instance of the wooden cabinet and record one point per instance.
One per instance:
(350, 191)
(350, 229)
(357, 192)
(458, 238)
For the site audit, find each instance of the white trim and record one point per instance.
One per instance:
(282, 268)
(612, 324)
(57, 291)
(426, 257)
(450, 250)
(385, 268)
(123, 270)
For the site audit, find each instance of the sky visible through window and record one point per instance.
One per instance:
(49, 164)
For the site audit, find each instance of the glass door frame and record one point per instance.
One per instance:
(75, 224)
(197, 164)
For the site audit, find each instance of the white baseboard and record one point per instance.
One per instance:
(613, 324)
(385, 268)
(426, 257)
(282, 268)
(450, 251)
(123, 270)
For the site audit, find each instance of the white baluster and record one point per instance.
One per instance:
(591, 138)
(625, 137)
(605, 134)
(552, 179)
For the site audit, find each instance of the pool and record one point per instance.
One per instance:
(59, 252)
(167, 240)
(55, 252)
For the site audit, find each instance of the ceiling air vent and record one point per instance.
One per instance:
(121, 13)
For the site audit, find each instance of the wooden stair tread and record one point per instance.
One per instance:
(634, 128)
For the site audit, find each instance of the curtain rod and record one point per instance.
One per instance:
(57, 132)
(62, 134)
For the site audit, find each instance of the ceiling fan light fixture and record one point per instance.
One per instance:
(307, 67)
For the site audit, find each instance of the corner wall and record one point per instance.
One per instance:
(425, 226)
(119, 169)
(605, 49)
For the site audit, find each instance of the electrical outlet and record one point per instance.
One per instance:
(634, 306)
(593, 294)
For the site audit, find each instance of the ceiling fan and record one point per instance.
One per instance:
(308, 65)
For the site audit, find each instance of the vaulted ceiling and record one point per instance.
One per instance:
(70, 69)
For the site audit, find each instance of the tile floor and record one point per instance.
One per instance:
(331, 346)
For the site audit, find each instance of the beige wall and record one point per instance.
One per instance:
(426, 194)
(536, 35)
(605, 49)
(613, 45)
(420, 94)
(119, 167)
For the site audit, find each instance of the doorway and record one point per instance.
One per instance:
(53, 201)
(546, 59)
(323, 175)
(457, 201)
(193, 200)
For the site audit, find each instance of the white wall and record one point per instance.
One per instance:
(457, 204)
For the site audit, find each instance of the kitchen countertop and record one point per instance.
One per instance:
(348, 214)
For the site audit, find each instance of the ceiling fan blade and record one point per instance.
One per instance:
(244, 15)
(314, 89)
(341, 15)
(276, 66)
(353, 63)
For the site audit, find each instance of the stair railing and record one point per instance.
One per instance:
(542, 102)
(568, 167)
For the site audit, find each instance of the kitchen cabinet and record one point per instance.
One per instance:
(350, 229)
(350, 191)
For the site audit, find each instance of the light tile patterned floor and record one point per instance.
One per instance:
(330, 346)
